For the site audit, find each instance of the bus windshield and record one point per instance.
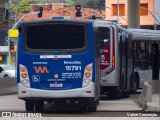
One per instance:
(55, 36)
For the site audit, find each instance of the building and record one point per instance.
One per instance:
(146, 8)
(3, 21)
(58, 9)
(3, 31)
(46, 6)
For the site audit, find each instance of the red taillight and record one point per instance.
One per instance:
(88, 75)
(23, 91)
(88, 91)
(24, 75)
(104, 81)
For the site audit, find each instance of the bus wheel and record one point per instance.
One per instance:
(29, 105)
(134, 85)
(97, 101)
(83, 109)
(39, 106)
(92, 107)
(126, 94)
(119, 95)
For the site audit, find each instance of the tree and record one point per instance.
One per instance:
(83, 3)
(23, 6)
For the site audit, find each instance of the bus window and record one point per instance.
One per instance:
(104, 35)
(141, 55)
(55, 36)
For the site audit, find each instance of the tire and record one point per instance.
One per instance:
(126, 94)
(111, 96)
(29, 105)
(114, 95)
(134, 84)
(97, 101)
(119, 95)
(83, 108)
(6, 76)
(92, 107)
(39, 106)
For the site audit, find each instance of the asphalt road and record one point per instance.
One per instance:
(12, 103)
(125, 107)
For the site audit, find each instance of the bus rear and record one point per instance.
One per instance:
(56, 63)
(110, 61)
(116, 61)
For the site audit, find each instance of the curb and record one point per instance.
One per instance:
(8, 86)
(153, 107)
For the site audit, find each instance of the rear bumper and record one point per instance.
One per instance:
(38, 93)
(109, 89)
(108, 81)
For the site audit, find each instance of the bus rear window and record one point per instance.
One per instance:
(55, 36)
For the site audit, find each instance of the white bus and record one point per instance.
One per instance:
(143, 40)
(116, 61)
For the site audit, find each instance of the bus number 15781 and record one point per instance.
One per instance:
(69, 68)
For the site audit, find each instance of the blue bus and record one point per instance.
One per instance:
(59, 61)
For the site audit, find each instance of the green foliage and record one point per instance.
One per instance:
(70, 2)
(11, 6)
(143, 105)
(44, 1)
(24, 5)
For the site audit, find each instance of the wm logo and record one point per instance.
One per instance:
(41, 69)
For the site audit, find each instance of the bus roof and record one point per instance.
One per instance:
(98, 22)
(52, 20)
(144, 34)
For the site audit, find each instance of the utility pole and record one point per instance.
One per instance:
(118, 11)
(133, 14)
(16, 10)
(99, 6)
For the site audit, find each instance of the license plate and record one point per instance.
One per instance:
(56, 85)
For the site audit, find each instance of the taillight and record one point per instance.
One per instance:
(23, 69)
(88, 75)
(24, 78)
(87, 78)
(113, 61)
(24, 75)
(88, 68)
